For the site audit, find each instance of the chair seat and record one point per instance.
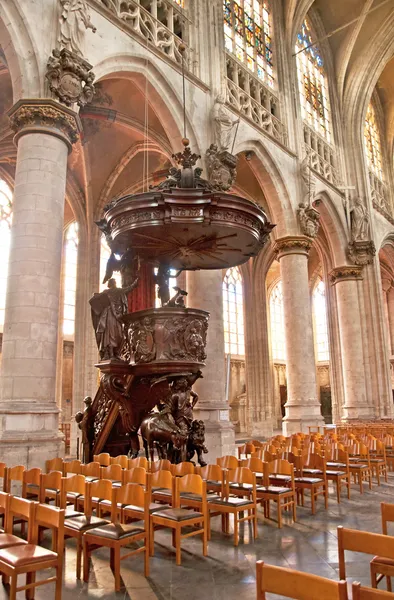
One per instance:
(153, 507)
(382, 560)
(83, 523)
(116, 531)
(337, 464)
(336, 473)
(71, 512)
(26, 554)
(162, 491)
(235, 502)
(377, 460)
(280, 477)
(198, 498)
(241, 486)
(178, 514)
(312, 471)
(273, 489)
(33, 487)
(90, 478)
(73, 495)
(359, 466)
(311, 480)
(7, 540)
(211, 482)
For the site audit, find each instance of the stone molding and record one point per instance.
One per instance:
(292, 244)
(361, 252)
(70, 78)
(346, 273)
(44, 115)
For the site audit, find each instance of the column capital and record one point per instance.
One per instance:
(43, 115)
(346, 273)
(293, 244)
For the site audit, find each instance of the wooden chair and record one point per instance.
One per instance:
(14, 476)
(360, 467)
(161, 486)
(387, 513)
(237, 506)
(54, 464)
(294, 584)
(176, 518)
(121, 460)
(158, 465)
(129, 506)
(368, 543)
(30, 558)
(113, 472)
(284, 496)
(72, 491)
(246, 450)
(134, 475)
(182, 469)
(14, 508)
(50, 487)
(31, 484)
(3, 476)
(140, 461)
(257, 466)
(91, 471)
(73, 466)
(115, 535)
(213, 477)
(364, 593)
(104, 459)
(316, 485)
(340, 475)
(100, 496)
(378, 461)
(228, 462)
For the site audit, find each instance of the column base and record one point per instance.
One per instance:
(30, 435)
(357, 413)
(259, 429)
(299, 417)
(219, 431)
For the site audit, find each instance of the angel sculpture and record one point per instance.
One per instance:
(74, 20)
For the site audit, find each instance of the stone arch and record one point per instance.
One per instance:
(19, 50)
(333, 227)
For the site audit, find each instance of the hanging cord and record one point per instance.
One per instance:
(182, 50)
(145, 169)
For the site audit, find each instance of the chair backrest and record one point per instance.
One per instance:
(73, 466)
(130, 494)
(102, 488)
(315, 461)
(161, 479)
(135, 475)
(3, 474)
(246, 449)
(182, 468)
(190, 484)
(14, 474)
(51, 481)
(254, 464)
(158, 465)
(365, 593)
(104, 459)
(267, 456)
(211, 473)
(17, 508)
(4, 502)
(114, 472)
(241, 475)
(280, 466)
(30, 477)
(54, 464)
(257, 444)
(91, 469)
(362, 541)
(387, 512)
(140, 461)
(121, 460)
(294, 584)
(75, 483)
(49, 517)
(227, 462)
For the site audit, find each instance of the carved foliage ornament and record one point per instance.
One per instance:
(293, 245)
(361, 252)
(70, 78)
(45, 114)
(221, 167)
(309, 219)
(345, 273)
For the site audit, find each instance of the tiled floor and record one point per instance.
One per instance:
(228, 573)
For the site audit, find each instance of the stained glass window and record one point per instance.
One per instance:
(70, 278)
(248, 35)
(5, 239)
(233, 313)
(278, 346)
(372, 143)
(312, 83)
(320, 321)
(105, 253)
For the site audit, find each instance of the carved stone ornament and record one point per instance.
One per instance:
(70, 78)
(221, 167)
(361, 252)
(346, 273)
(27, 116)
(309, 219)
(292, 245)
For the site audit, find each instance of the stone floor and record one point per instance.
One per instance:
(228, 573)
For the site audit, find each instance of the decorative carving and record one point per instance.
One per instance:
(74, 21)
(104, 406)
(196, 442)
(160, 430)
(142, 341)
(70, 78)
(28, 114)
(221, 167)
(361, 252)
(223, 124)
(345, 273)
(137, 217)
(292, 245)
(308, 182)
(178, 299)
(359, 221)
(187, 338)
(108, 308)
(162, 280)
(86, 426)
(321, 156)
(114, 387)
(309, 220)
(128, 266)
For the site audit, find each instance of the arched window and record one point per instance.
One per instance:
(248, 35)
(320, 321)
(105, 253)
(278, 346)
(372, 143)
(312, 83)
(70, 278)
(233, 313)
(5, 239)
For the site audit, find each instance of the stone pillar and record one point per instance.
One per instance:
(45, 132)
(205, 292)
(302, 406)
(345, 279)
(390, 311)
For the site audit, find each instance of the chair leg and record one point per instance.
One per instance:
(255, 522)
(146, 563)
(326, 495)
(205, 537)
(370, 479)
(338, 484)
(14, 579)
(388, 583)
(236, 536)
(59, 582)
(79, 557)
(279, 507)
(30, 578)
(374, 581)
(360, 483)
(348, 487)
(117, 567)
(313, 501)
(294, 510)
(152, 539)
(178, 544)
(112, 559)
(85, 561)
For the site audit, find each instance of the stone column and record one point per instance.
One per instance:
(345, 279)
(45, 132)
(205, 292)
(302, 406)
(390, 310)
